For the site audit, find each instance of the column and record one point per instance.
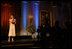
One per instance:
(36, 13)
(24, 17)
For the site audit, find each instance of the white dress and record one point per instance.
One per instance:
(12, 28)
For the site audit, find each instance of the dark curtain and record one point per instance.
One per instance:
(6, 12)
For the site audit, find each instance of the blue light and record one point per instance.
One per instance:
(24, 13)
(36, 13)
(36, 3)
(37, 17)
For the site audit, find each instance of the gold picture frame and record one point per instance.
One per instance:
(43, 13)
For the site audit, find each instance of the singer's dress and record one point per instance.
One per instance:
(12, 28)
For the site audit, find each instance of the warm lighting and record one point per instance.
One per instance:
(30, 17)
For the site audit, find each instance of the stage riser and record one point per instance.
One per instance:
(17, 37)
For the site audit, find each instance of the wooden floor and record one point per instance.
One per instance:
(25, 43)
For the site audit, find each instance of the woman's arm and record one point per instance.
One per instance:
(15, 21)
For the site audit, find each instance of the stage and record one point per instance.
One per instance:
(22, 42)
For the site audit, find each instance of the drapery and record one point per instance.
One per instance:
(6, 12)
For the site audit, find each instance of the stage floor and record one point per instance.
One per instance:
(25, 43)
